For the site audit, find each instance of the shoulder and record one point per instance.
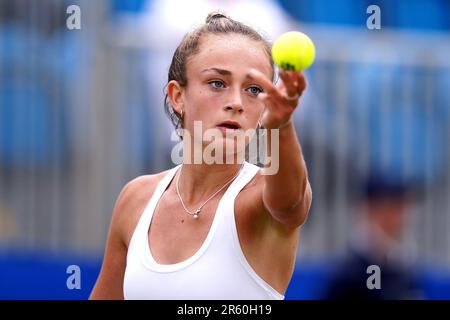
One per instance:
(256, 183)
(254, 187)
(131, 202)
(137, 189)
(252, 210)
(249, 207)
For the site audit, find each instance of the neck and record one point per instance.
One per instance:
(197, 182)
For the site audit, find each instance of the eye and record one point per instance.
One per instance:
(255, 90)
(217, 84)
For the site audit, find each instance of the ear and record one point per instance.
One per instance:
(175, 93)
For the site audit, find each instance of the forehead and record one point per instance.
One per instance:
(233, 52)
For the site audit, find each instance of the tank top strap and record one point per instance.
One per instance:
(248, 172)
(144, 221)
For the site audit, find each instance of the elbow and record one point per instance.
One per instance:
(281, 201)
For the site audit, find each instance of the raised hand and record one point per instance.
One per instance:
(280, 100)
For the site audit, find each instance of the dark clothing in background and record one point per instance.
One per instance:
(350, 280)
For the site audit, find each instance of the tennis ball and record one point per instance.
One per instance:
(293, 50)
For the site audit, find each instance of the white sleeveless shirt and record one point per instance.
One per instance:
(217, 271)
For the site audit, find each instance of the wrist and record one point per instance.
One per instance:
(286, 124)
(282, 126)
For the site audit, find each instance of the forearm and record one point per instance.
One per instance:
(287, 187)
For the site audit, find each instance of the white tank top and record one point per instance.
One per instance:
(217, 271)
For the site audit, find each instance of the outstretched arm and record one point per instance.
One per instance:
(286, 194)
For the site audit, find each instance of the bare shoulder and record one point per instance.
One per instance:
(251, 211)
(249, 208)
(127, 209)
(132, 201)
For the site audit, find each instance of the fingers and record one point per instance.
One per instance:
(295, 82)
(289, 89)
(301, 83)
(290, 83)
(267, 85)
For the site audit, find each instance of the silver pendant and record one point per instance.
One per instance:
(196, 214)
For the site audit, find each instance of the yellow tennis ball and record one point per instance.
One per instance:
(293, 50)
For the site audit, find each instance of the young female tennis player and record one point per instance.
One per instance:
(220, 229)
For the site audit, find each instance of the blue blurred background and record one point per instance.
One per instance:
(81, 113)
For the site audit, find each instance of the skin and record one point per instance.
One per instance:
(269, 210)
(389, 214)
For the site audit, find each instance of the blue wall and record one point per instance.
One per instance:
(42, 276)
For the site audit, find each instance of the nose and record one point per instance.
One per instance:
(234, 102)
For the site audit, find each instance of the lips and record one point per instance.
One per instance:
(232, 125)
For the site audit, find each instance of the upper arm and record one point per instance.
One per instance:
(294, 217)
(109, 283)
(288, 221)
(301, 210)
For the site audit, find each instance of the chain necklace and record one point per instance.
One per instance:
(197, 212)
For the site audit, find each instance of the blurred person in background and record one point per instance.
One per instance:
(377, 241)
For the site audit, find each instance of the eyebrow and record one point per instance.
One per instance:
(220, 71)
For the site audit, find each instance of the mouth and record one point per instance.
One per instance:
(229, 125)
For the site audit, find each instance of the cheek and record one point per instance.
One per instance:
(203, 100)
(257, 109)
(202, 107)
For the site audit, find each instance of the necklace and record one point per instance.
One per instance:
(197, 212)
